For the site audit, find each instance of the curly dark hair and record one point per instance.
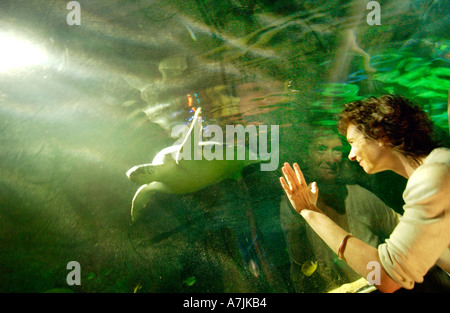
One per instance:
(392, 119)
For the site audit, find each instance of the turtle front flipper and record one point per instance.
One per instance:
(141, 174)
(142, 196)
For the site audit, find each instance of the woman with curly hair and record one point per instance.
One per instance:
(389, 133)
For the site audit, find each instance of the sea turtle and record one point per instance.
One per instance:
(171, 174)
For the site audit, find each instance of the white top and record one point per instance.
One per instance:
(422, 237)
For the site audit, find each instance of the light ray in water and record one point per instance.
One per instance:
(16, 53)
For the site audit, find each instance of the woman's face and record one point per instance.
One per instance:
(371, 155)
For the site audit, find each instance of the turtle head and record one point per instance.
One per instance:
(141, 174)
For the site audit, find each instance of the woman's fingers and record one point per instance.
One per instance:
(294, 178)
(285, 186)
(299, 174)
(294, 184)
(289, 175)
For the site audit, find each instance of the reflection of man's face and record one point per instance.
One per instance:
(325, 157)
